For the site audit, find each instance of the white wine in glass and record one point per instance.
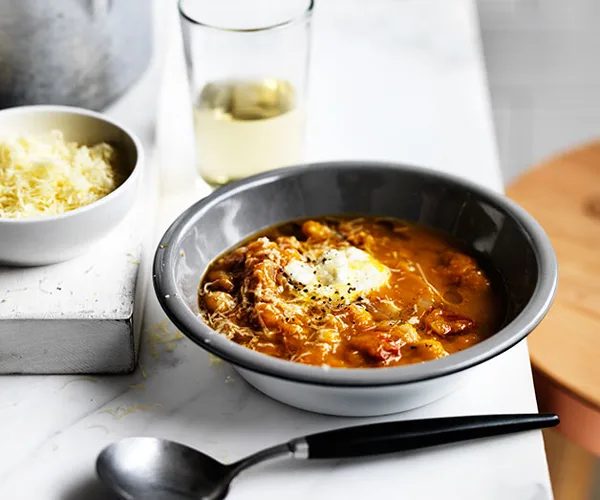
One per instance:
(245, 127)
(247, 63)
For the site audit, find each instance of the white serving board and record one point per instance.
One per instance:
(83, 316)
(78, 316)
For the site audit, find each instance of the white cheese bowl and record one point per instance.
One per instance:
(50, 239)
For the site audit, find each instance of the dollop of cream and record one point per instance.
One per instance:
(338, 273)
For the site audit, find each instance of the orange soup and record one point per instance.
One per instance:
(350, 292)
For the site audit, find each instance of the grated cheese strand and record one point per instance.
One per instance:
(45, 175)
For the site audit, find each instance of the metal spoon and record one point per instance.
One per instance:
(151, 468)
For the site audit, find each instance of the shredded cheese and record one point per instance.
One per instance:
(45, 175)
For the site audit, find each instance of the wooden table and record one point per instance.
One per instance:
(563, 194)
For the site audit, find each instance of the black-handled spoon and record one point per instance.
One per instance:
(151, 468)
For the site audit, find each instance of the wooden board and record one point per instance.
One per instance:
(564, 196)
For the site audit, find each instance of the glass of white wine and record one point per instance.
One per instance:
(247, 63)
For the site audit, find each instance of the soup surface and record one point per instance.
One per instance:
(350, 292)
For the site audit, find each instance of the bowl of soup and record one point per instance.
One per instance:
(355, 288)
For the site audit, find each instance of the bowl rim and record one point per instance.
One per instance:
(196, 330)
(74, 110)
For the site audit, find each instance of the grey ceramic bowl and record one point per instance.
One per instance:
(490, 223)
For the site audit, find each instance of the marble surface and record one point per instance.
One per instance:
(390, 80)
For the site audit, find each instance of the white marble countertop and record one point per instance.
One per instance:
(408, 84)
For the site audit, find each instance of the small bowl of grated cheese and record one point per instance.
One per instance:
(68, 176)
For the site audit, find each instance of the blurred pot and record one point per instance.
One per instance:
(76, 52)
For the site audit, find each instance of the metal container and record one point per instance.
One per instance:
(75, 52)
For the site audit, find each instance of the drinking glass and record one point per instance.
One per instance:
(247, 64)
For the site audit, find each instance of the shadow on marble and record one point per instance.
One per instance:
(89, 488)
(287, 466)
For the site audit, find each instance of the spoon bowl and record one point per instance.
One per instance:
(150, 468)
